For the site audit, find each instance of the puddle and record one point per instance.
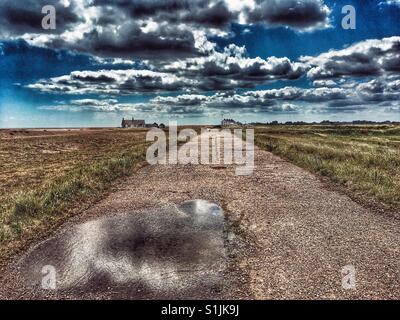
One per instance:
(174, 249)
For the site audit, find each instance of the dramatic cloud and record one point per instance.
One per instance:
(293, 13)
(103, 29)
(379, 90)
(376, 93)
(151, 29)
(227, 70)
(166, 44)
(231, 68)
(113, 106)
(367, 58)
(363, 75)
(289, 94)
(200, 13)
(23, 17)
(113, 82)
(381, 93)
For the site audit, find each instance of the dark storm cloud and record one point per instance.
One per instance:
(149, 8)
(202, 13)
(293, 13)
(108, 30)
(91, 78)
(133, 43)
(151, 29)
(217, 16)
(20, 17)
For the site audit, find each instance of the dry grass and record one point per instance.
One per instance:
(364, 158)
(47, 173)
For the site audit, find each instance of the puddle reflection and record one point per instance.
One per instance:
(172, 248)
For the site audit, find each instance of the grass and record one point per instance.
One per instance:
(46, 177)
(364, 158)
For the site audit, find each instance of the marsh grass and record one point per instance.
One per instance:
(67, 187)
(365, 159)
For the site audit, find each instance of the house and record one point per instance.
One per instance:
(230, 122)
(133, 123)
(154, 125)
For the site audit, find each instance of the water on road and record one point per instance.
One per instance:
(171, 249)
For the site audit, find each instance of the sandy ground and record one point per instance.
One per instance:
(285, 236)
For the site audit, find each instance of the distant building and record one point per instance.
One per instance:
(230, 122)
(133, 123)
(154, 125)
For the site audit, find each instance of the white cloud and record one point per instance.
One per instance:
(112, 82)
(367, 58)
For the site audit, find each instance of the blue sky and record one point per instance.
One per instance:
(56, 83)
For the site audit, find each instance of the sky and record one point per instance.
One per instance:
(197, 62)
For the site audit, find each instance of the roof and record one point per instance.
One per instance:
(133, 122)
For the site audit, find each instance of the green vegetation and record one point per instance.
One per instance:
(49, 177)
(364, 158)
